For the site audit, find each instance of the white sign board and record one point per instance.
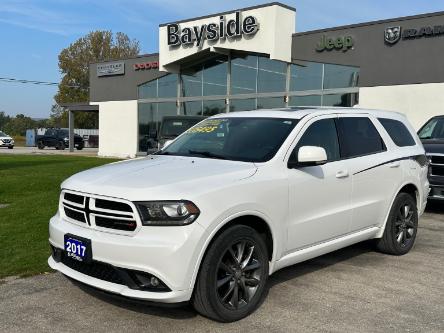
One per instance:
(264, 29)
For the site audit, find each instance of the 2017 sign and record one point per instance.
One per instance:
(340, 43)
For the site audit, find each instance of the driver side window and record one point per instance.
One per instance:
(321, 133)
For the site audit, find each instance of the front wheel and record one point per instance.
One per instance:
(40, 145)
(80, 147)
(401, 227)
(60, 145)
(10, 147)
(233, 275)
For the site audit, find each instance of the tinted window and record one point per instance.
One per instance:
(358, 136)
(434, 129)
(239, 139)
(398, 132)
(320, 134)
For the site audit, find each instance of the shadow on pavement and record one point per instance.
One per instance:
(185, 310)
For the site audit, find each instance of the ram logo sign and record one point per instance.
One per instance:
(392, 34)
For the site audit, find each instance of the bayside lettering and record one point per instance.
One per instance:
(212, 31)
(327, 43)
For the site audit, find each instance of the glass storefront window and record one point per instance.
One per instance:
(271, 76)
(215, 77)
(270, 102)
(243, 75)
(167, 86)
(148, 90)
(339, 100)
(211, 108)
(193, 108)
(337, 76)
(192, 84)
(306, 77)
(150, 115)
(242, 104)
(147, 115)
(310, 100)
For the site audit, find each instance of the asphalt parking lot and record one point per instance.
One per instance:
(46, 151)
(350, 290)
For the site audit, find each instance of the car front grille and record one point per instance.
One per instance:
(6, 140)
(99, 212)
(437, 165)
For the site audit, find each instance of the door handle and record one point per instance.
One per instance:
(342, 174)
(395, 164)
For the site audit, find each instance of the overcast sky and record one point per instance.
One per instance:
(33, 32)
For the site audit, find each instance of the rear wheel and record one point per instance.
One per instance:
(60, 145)
(233, 275)
(401, 228)
(40, 145)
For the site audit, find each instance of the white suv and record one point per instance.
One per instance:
(238, 197)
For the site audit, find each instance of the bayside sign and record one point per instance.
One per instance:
(195, 35)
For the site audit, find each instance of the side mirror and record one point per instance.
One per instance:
(309, 156)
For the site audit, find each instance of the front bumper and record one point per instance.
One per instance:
(168, 253)
(2, 144)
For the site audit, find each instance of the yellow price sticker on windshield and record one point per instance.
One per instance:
(207, 126)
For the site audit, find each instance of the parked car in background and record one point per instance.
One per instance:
(237, 197)
(170, 128)
(58, 138)
(432, 137)
(6, 141)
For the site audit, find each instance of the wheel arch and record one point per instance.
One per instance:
(254, 220)
(409, 188)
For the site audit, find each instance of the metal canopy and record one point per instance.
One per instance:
(76, 107)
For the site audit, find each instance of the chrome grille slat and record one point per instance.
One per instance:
(108, 218)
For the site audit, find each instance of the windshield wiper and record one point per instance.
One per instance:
(207, 154)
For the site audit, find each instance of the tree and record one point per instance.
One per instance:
(19, 125)
(74, 63)
(4, 119)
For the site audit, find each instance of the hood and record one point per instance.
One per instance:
(5, 137)
(159, 177)
(433, 146)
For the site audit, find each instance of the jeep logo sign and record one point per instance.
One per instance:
(213, 31)
(340, 43)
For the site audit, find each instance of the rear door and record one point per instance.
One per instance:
(375, 173)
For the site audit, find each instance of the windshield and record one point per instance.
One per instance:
(175, 127)
(434, 129)
(64, 133)
(238, 139)
(2, 134)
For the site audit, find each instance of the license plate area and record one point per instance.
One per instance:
(78, 248)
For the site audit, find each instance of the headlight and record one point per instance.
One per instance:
(12, 141)
(167, 212)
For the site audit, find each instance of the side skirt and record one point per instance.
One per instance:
(323, 248)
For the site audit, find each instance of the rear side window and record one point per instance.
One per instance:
(398, 132)
(358, 136)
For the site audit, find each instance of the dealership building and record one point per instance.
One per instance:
(252, 58)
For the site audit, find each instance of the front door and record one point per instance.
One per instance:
(319, 196)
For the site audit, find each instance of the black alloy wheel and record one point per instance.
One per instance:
(233, 275)
(401, 227)
(40, 145)
(238, 275)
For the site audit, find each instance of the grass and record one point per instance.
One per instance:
(30, 186)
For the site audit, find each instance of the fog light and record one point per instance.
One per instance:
(154, 281)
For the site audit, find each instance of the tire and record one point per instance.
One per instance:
(247, 277)
(40, 145)
(401, 227)
(80, 147)
(60, 145)
(10, 147)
